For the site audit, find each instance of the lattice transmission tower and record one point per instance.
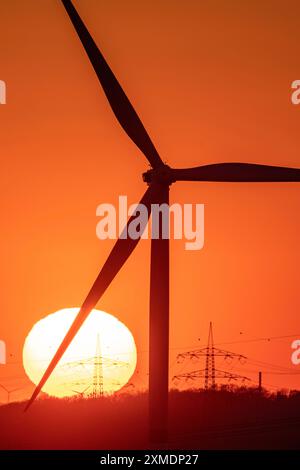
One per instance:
(209, 373)
(98, 379)
(94, 367)
(210, 369)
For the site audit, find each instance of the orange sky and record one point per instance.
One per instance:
(211, 82)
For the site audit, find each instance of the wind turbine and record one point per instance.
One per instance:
(159, 178)
(9, 392)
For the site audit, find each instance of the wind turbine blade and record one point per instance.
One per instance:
(237, 172)
(120, 104)
(116, 259)
(159, 329)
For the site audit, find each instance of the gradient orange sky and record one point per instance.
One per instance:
(211, 82)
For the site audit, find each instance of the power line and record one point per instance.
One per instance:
(266, 338)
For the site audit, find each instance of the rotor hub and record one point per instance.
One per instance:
(161, 175)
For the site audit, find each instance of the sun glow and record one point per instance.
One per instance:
(101, 358)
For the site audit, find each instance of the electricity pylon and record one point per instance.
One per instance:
(98, 363)
(210, 370)
(98, 379)
(210, 373)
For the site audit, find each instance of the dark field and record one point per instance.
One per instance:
(221, 419)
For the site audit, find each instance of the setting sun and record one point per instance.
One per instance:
(101, 358)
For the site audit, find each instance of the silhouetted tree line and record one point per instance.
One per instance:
(225, 418)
